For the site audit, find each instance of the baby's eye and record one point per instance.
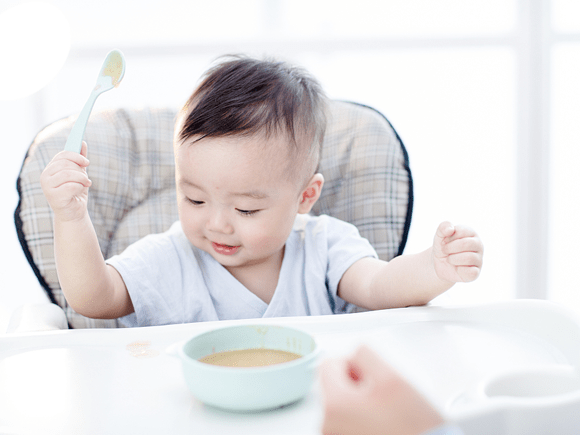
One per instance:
(247, 212)
(194, 202)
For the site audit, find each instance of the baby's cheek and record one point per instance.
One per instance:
(191, 226)
(267, 240)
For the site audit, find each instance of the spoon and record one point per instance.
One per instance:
(110, 76)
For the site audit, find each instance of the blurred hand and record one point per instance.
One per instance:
(362, 395)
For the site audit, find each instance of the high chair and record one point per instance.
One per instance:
(365, 165)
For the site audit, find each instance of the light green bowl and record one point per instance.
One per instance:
(249, 388)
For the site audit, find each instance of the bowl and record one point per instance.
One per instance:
(249, 388)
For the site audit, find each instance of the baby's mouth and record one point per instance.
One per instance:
(224, 249)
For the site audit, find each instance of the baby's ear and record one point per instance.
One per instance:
(311, 193)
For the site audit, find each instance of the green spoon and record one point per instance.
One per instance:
(110, 76)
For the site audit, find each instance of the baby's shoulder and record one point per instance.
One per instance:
(321, 225)
(170, 239)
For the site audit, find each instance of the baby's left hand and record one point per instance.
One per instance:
(457, 253)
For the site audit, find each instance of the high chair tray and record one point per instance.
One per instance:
(506, 368)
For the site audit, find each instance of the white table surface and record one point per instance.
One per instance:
(122, 381)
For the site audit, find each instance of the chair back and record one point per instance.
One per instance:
(365, 166)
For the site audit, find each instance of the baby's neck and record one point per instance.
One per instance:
(262, 278)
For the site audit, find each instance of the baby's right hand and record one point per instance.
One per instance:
(66, 185)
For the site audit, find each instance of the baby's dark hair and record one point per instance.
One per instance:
(245, 96)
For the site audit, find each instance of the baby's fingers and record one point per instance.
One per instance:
(468, 273)
(465, 244)
(65, 176)
(465, 259)
(64, 158)
(445, 229)
(461, 232)
(65, 162)
(84, 149)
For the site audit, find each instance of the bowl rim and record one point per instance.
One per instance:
(307, 359)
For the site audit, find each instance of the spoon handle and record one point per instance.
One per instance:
(75, 137)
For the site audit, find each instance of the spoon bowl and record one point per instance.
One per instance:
(113, 67)
(110, 76)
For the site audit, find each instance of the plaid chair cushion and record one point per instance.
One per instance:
(367, 182)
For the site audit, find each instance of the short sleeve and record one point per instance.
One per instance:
(153, 274)
(345, 247)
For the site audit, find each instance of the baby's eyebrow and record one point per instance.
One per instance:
(254, 194)
(184, 182)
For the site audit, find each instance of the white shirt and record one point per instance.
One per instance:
(171, 281)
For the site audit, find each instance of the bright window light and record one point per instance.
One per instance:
(34, 44)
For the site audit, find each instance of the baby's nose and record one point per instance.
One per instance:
(218, 222)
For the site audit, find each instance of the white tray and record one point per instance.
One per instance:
(509, 368)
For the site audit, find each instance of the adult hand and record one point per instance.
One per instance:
(362, 395)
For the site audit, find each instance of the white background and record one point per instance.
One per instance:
(492, 134)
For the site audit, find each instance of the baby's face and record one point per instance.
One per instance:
(235, 201)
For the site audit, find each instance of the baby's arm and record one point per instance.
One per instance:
(456, 256)
(91, 287)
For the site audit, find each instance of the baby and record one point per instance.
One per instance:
(247, 145)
